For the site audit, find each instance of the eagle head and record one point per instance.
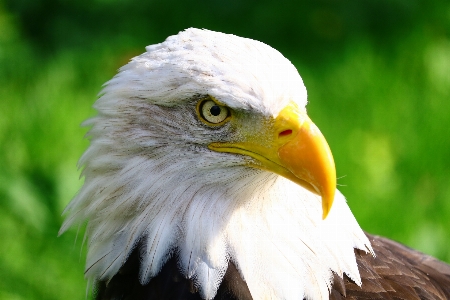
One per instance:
(202, 149)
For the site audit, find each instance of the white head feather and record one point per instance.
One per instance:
(150, 178)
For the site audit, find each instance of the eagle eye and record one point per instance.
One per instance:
(212, 113)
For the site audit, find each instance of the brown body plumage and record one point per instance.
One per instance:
(397, 272)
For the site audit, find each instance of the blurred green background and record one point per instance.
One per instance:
(378, 78)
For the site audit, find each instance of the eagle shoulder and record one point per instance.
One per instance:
(397, 272)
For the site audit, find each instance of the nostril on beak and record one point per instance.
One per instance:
(285, 133)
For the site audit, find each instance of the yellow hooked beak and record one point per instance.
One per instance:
(292, 147)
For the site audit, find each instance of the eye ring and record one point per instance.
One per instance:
(212, 113)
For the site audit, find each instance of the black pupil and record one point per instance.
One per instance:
(215, 110)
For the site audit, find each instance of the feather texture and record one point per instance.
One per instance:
(396, 272)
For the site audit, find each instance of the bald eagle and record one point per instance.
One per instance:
(206, 179)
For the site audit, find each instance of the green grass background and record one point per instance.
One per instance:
(378, 78)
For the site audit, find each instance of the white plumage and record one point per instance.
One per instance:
(150, 177)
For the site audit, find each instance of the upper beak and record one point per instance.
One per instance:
(295, 149)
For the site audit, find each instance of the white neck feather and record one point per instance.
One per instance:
(268, 226)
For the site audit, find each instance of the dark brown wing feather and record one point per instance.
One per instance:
(397, 272)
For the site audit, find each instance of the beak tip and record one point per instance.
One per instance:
(327, 203)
